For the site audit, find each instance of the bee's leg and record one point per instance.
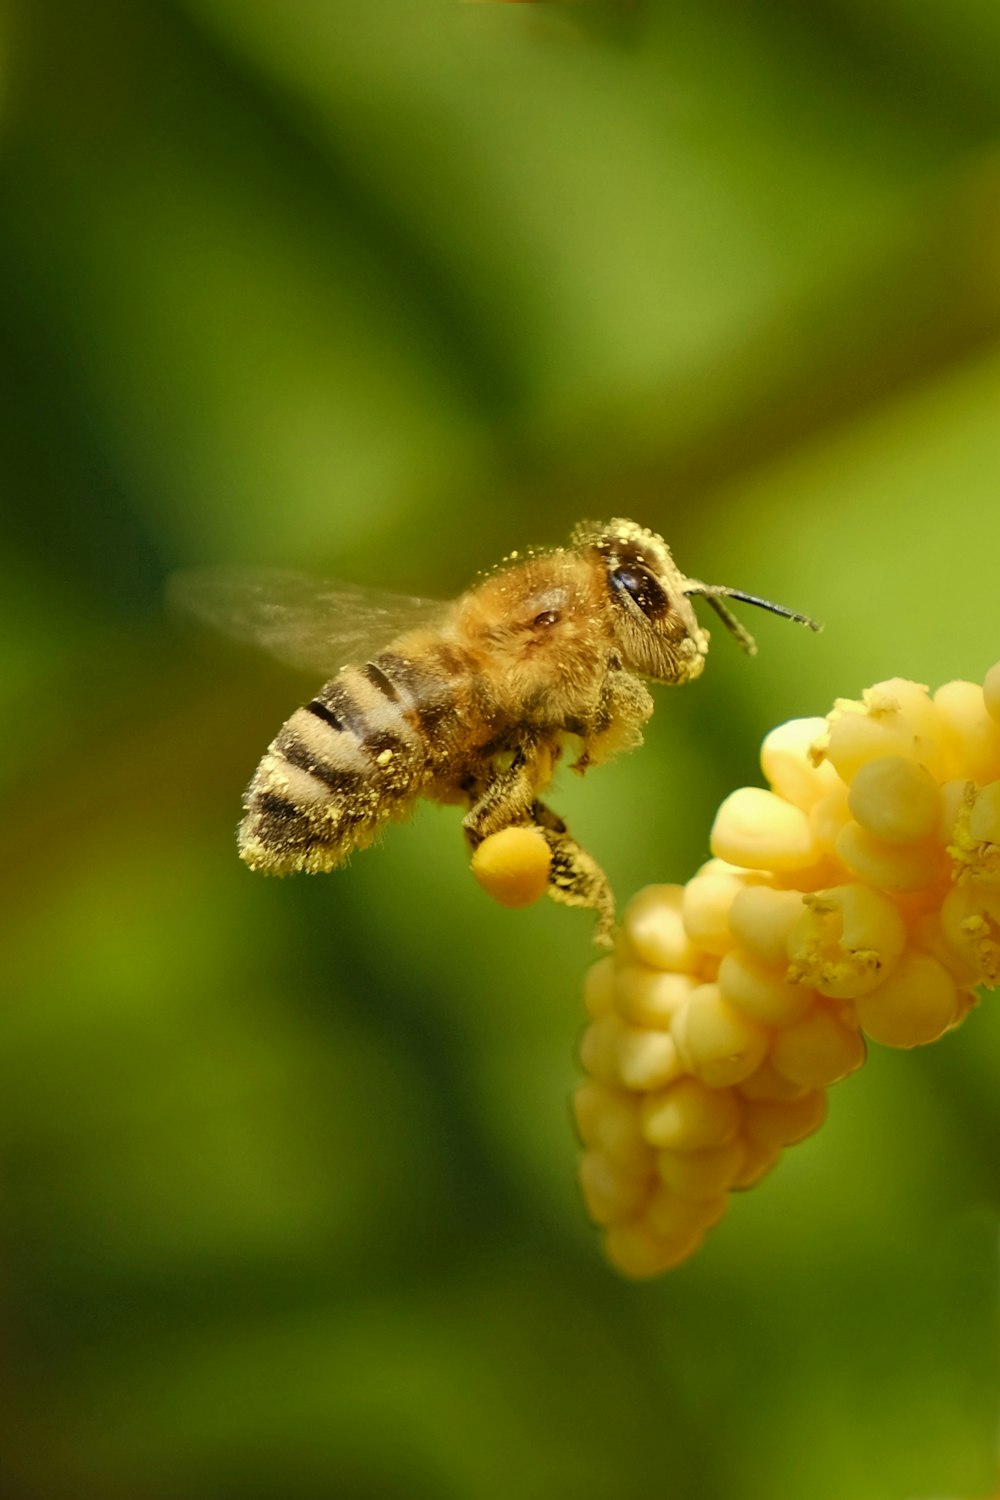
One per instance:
(503, 801)
(615, 722)
(576, 879)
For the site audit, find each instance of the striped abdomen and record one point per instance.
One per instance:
(355, 757)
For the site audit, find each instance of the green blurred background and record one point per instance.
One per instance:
(383, 291)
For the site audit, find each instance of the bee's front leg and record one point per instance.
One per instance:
(576, 879)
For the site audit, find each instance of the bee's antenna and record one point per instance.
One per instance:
(714, 593)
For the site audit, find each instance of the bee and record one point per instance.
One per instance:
(473, 702)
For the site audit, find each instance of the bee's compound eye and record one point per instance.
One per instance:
(643, 588)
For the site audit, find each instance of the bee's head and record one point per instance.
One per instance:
(653, 621)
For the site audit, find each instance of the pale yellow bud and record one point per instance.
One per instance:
(916, 1004)
(972, 735)
(761, 993)
(638, 1252)
(895, 799)
(701, 1174)
(858, 736)
(818, 1050)
(653, 927)
(513, 866)
(669, 1215)
(758, 1161)
(984, 815)
(761, 831)
(845, 941)
(689, 1116)
(705, 909)
(599, 988)
(608, 1120)
(767, 1084)
(599, 1049)
(772, 1123)
(591, 1102)
(788, 766)
(828, 816)
(610, 1195)
(991, 692)
(970, 921)
(928, 935)
(912, 707)
(957, 797)
(647, 1059)
(891, 867)
(719, 1043)
(761, 919)
(650, 997)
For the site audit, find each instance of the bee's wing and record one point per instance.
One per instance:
(310, 623)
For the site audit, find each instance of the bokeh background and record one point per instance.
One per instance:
(382, 291)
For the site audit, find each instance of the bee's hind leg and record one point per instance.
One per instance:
(505, 800)
(576, 879)
(508, 800)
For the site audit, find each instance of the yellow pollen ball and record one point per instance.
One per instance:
(513, 866)
(915, 1005)
(895, 799)
(761, 831)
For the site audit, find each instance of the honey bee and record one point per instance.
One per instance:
(473, 702)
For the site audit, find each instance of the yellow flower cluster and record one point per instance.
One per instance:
(860, 894)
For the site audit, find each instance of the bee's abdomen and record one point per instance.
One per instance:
(353, 758)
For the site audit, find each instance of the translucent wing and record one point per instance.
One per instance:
(310, 623)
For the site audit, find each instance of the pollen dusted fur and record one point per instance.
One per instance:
(545, 654)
